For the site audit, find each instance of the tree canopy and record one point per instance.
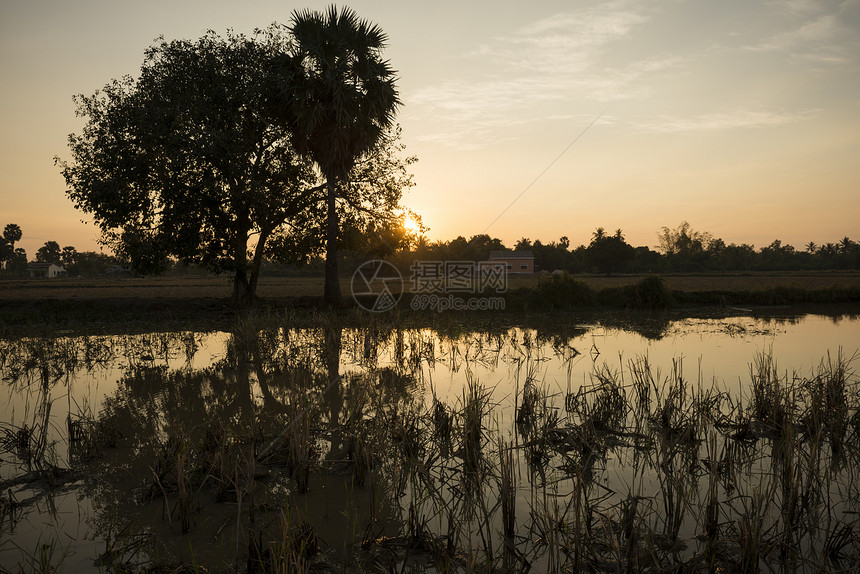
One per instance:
(187, 161)
(337, 96)
(183, 162)
(609, 253)
(12, 234)
(50, 253)
(9, 255)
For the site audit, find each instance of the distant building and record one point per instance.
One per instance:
(520, 261)
(37, 269)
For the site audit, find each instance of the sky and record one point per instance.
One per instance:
(534, 119)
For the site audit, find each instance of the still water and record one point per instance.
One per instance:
(507, 446)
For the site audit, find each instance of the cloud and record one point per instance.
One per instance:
(818, 32)
(563, 64)
(798, 7)
(737, 119)
(473, 115)
(536, 70)
(570, 32)
(815, 32)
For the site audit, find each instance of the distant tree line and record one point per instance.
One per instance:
(77, 263)
(681, 249)
(13, 260)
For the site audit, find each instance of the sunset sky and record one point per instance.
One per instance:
(741, 117)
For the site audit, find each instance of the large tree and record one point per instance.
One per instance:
(185, 162)
(49, 253)
(69, 256)
(11, 234)
(684, 248)
(17, 262)
(6, 251)
(608, 253)
(337, 96)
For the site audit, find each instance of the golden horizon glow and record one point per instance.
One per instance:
(412, 224)
(741, 118)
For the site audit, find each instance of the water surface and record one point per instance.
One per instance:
(168, 448)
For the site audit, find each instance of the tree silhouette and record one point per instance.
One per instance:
(683, 247)
(6, 251)
(608, 253)
(49, 253)
(185, 162)
(338, 98)
(17, 262)
(69, 256)
(12, 234)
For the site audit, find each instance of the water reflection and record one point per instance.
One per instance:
(578, 446)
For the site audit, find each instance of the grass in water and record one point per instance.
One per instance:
(633, 470)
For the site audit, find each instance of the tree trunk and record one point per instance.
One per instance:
(254, 278)
(243, 294)
(331, 293)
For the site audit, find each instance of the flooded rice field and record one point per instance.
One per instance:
(729, 444)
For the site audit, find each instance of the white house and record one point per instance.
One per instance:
(46, 270)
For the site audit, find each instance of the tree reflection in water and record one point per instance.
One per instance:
(335, 445)
(272, 442)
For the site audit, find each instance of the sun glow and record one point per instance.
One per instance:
(412, 223)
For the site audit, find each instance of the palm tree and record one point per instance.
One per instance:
(12, 233)
(337, 96)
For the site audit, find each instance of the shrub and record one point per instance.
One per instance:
(562, 292)
(650, 293)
